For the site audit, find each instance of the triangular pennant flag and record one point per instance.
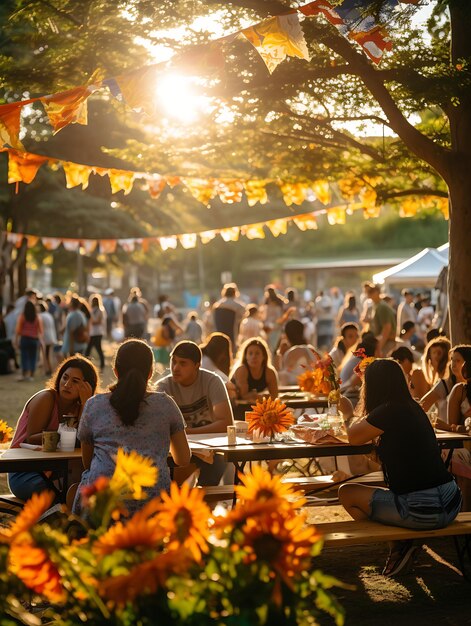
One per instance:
(108, 246)
(128, 245)
(322, 190)
(336, 215)
(208, 235)
(76, 174)
(229, 191)
(168, 242)
(306, 222)
(202, 190)
(188, 241)
(276, 38)
(89, 245)
(293, 193)
(278, 227)
(51, 243)
(121, 180)
(253, 231)
(72, 245)
(230, 234)
(23, 166)
(255, 190)
(10, 125)
(67, 107)
(138, 88)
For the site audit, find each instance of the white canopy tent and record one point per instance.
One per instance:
(421, 270)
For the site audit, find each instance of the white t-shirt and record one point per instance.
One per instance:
(196, 402)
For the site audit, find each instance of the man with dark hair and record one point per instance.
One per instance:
(202, 398)
(228, 313)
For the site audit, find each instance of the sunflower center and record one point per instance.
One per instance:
(267, 548)
(183, 523)
(265, 494)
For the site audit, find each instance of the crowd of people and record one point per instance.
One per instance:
(239, 351)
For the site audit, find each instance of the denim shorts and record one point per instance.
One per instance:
(426, 509)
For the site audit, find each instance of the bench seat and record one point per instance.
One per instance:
(352, 533)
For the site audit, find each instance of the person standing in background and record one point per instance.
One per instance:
(29, 333)
(406, 311)
(97, 327)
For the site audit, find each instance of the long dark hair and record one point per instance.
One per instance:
(30, 311)
(444, 344)
(89, 372)
(218, 347)
(384, 382)
(133, 364)
(260, 344)
(465, 352)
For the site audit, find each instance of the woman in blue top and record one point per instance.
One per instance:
(421, 492)
(131, 417)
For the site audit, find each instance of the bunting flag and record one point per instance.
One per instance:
(68, 107)
(10, 125)
(305, 221)
(276, 38)
(359, 193)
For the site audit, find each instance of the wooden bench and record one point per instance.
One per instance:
(10, 504)
(352, 533)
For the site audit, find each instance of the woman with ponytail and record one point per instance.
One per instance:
(131, 417)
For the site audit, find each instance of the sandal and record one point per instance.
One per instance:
(400, 558)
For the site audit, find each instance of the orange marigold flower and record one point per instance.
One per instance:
(144, 578)
(33, 567)
(142, 530)
(183, 516)
(282, 540)
(6, 432)
(38, 504)
(269, 417)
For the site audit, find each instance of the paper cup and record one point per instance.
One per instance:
(67, 442)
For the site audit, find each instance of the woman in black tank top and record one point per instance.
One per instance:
(253, 372)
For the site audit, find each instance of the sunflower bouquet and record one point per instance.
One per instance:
(173, 558)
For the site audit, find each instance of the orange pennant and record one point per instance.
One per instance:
(10, 124)
(23, 166)
(67, 107)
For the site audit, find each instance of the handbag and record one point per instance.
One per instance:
(81, 334)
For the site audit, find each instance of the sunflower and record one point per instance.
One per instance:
(132, 473)
(282, 541)
(143, 529)
(183, 515)
(33, 567)
(144, 578)
(38, 504)
(260, 486)
(6, 432)
(269, 417)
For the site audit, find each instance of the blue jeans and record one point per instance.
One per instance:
(24, 484)
(29, 353)
(423, 510)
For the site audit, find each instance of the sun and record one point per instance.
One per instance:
(179, 98)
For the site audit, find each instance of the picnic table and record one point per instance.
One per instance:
(245, 451)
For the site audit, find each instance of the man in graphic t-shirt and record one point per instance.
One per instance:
(202, 398)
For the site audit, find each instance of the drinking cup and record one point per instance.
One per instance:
(50, 439)
(68, 438)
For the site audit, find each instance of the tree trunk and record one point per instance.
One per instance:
(459, 268)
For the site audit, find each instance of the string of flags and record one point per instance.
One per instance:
(274, 39)
(304, 221)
